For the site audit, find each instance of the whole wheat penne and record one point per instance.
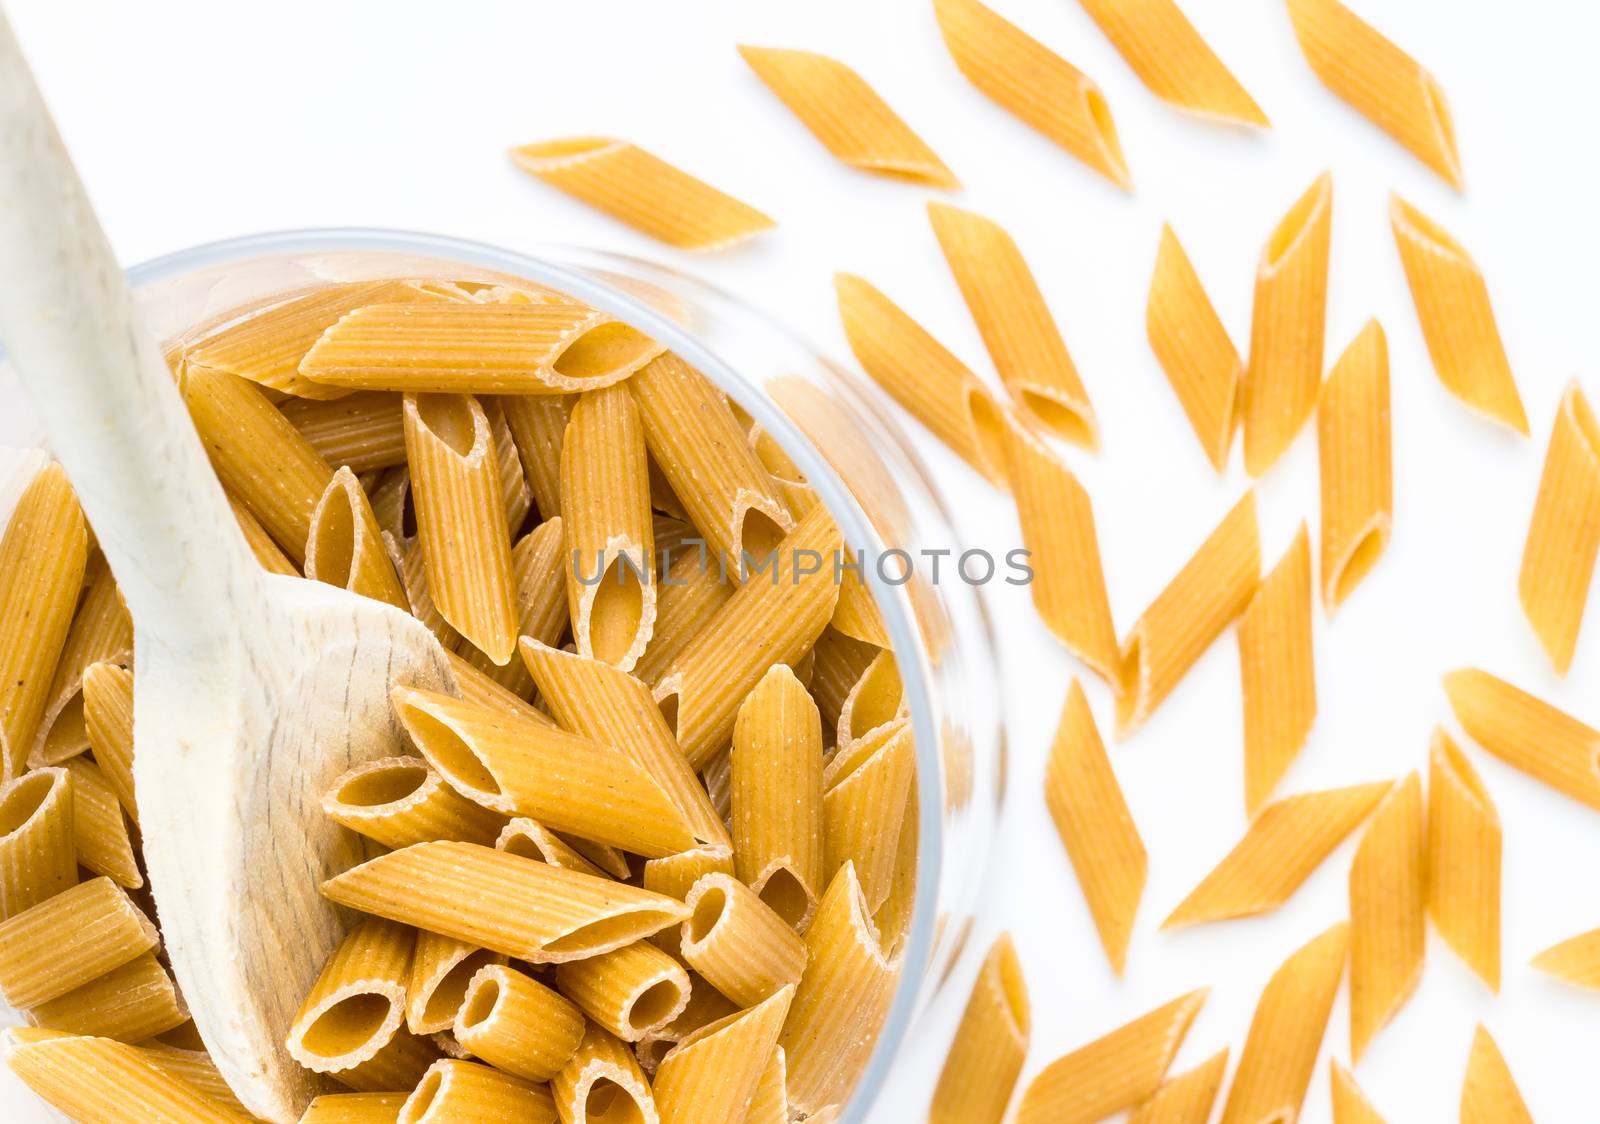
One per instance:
(108, 718)
(1284, 374)
(131, 1003)
(865, 792)
(1575, 960)
(530, 910)
(631, 991)
(1201, 600)
(1489, 1094)
(1384, 84)
(515, 1023)
(769, 1104)
(1186, 1098)
(476, 687)
(194, 1065)
(1388, 909)
(706, 1005)
(1277, 672)
(1353, 450)
(436, 986)
(69, 939)
(538, 423)
(361, 431)
(513, 483)
(689, 594)
(1096, 828)
(344, 546)
(1027, 79)
(990, 1045)
(736, 941)
(610, 859)
(354, 1108)
(459, 1090)
(1280, 1050)
(1157, 40)
(840, 662)
(878, 697)
(1193, 348)
(1527, 733)
(184, 1038)
(603, 1075)
(893, 917)
(272, 559)
(1285, 843)
(1350, 1104)
(357, 1005)
(100, 834)
(539, 565)
(529, 839)
(101, 630)
(1463, 861)
(38, 839)
(1452, 303)
(716, 1071)
(675, 876)
(398, 1064)
(399, 801)
(857, 613)
(101, 1079)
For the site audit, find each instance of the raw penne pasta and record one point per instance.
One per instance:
(1192, 347)
(847, 115)
(131, 1003)
(1527, 733)
(355, 1108)
(1280, 1050)
(877, 698)
(100, 1079)
(539, 566)
(1015, 323)
(706, 1006)
(65, 941)
(1350, 1104)
(538, 423)
(602, 1083)
(1354, 455)
(893, 917)
(515, 1023)
(1489, 1094)
(436, 986)
(689, 595)
(602, 855)
(42, 559)
(1115, 1072)
(718, 668)
(361, 431)
(38, 839)
(460, 510)
(1186, 1098)
(631, 992)
(1384, 84)
(1157, 40)
(194, 1065)
(1388, 913)
(1095, 826)
(399, 801)
(1576, 960)
(522, 768)
(736, 941)
(357, 1005)
(643, 191)
(513, 482)
(1284, 844)
(918, 372)
(840, 663)
(865, 792)
(108, 718)
(477, 687)
(857, 612)
(1452, 303)
(1027, 79)
(990, 1045)
(344, 546)
(531, 840)
(1284, 373)
(1205, 597)
(1463, 860)
(769, 1104)
(1277, 673)
(100, 834)
(398, 1064)
(101, 631)
(459, 1090)
(676, 875)
(530, 910)
(716, 1071)
(272, 559)
(775, 794)
(1564, 534)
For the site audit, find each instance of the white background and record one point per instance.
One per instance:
(197, 120)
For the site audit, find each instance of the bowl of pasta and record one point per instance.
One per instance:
(697, 836)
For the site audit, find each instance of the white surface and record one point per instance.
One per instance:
(195, 120)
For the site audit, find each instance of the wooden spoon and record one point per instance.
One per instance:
(254, 691)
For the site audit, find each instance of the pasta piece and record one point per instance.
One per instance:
(1576, 960)
(990, 1045)
(841, 661)
(194, 1065)
(876, 699)
(1388, 905)
(1564, 534)
(706, 1006)
(1463, 860)
(1277, 672)
(458, 1090)
(1115, 1072)
(1527, 733)
(108, 717)
(466, 549)
(513, 484)
(864, 797)
(42, 559)
(355, 1108)
(676, 875)
(1186, 1098)
(847, 115)
(690, 593)
(521, 768)
(769, 1104)
(477, 687)
(101, 631)
(399, 1064)
(919, 373)
(1285, 843)
(1457, 321)
(538, 422)
(715, 1072)
(1027, 79)
(517, 1024)
(1280, 1050)
(345, 547)
(38, 847)
(530, 840)
(361, 431)
(608, 858)
(399, 801)
(529, 910)
(1096, 828)
(1192, 346)
(65, 941)
(736, 941)
(1205, 597)
(1016, 325)
(893, 917)
(1489, 1095)
(1173, 61)
(1284, 374)
(857, 613)
(100, 834)
(355, 1008)
(272, 559)
(1384, 84)
(1353, 448)
(1350, 1104)
(130, 1003)
(539, 565)
(632, 992)
(603, 1083)
(643, 191)
(99, 1079)
(436, 987)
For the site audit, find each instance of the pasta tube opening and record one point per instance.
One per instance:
(453, 755)
(25, 797)
(372, 788)
(349, 1029)
(603, 351)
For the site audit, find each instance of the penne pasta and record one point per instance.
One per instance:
(1457, 321)
(101, 630)
(194, 1065)
(706, 1006)
(538, 423)
(539, 566)
(1354, 455)
(715, 1072)
(361, 431)
(737, 942)
(841, 661)
(344, 546)
(876, 699)
(65, 941)
(398, 801)
(1384, 84)
(632, 991)
(38, 839)
(1564, 533)
(530, 840)
(476, 687)
(605, 1078)
(1388, 908)
(1186, 1098)
(1095, 826)
(436, 986)
(1463, 860)
(108, 718)
(689, 594)
(1489, 1094)
(643, 191)
(1527, 733)
(769, 1104)
(1027, 79)
(513, 483)
(893, 917)
(865, 792)
(1350, 1104)
(355, 1108)
(990, 1045)
(515, 1023)
(399, 1064)
(459, 1090)
(1576, 960)
(1284, 374)
(99, 833)
(272, 559)
(1277, 673)
(1115, 1072)
(1157, 40)
(1284, 844)
(131, 1003)
(1015, 323)
(355, 1009)
(675, 876)
(1285, 1036)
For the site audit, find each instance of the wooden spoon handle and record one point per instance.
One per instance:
(109, 403)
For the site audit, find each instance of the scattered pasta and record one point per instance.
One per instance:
(1489, 1094)
(1527, 733)
(1276, 670)
(990, 1045)
(1575, 960)
(1354, 454)
(1186, 1098)
(1388, 905)
(1350, 1104)
(1463, 860)
(1171, 58)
